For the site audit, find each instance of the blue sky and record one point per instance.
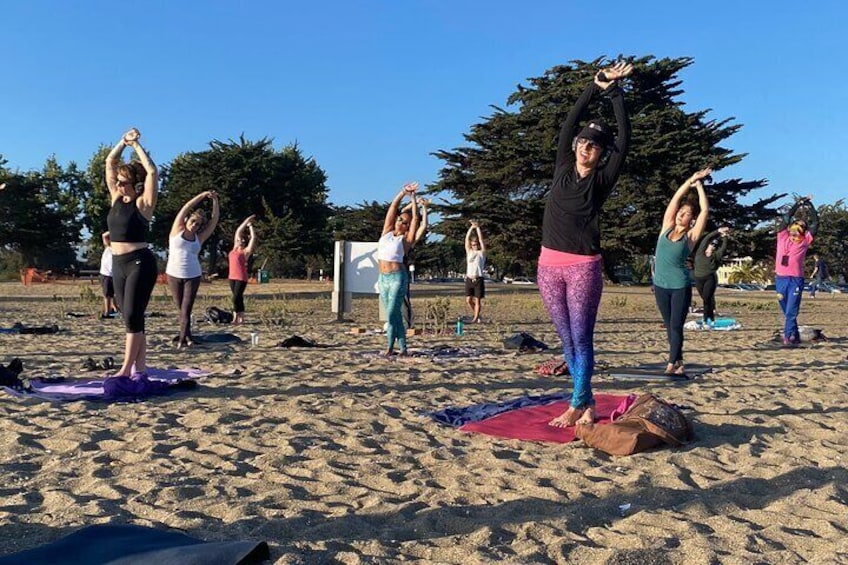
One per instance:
(371, 88)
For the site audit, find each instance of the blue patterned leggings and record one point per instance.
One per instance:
(392, 291)
(572, 295)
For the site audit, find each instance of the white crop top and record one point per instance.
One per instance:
(183, 257)
(390, 248)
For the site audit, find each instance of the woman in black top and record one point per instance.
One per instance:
(706, 261)
(133, 191)
(569, 274)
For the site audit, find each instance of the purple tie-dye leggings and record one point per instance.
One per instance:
(572, 295)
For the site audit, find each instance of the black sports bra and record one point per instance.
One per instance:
(126, 224)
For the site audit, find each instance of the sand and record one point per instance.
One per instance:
(325, 454)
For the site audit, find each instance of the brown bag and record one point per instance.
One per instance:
(648, 423)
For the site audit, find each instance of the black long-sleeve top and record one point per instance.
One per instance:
(789, 217)
(706, 266)
(571, 215)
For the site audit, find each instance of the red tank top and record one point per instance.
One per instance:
(238, 265)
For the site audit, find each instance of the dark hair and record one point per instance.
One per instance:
(135, 173)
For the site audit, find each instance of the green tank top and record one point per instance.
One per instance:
(670, 262)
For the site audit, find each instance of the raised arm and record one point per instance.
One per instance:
(565, 154)
(814, 218)
(392, 212)
(674, 203)
(703, 215)
(413, 224)
(480, 237)
(724, 233)
(151, 181)
(422, 227)
(241, 228)
(112, 162)
(210, 226)
(789, 216)
(621, 145)
(251, 244)
(179, 224)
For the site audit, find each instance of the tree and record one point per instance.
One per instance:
(831, 241)
(504, 174)
(39, 220)
(251, 177)
(361, 223)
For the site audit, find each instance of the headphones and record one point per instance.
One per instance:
(605, 153)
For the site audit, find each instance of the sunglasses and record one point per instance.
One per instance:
(402, 221)
(588, 143)
(123, 183)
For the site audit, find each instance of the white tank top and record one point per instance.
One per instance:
(475, 263)
(106, 262)
(390, 248)
(183, 257)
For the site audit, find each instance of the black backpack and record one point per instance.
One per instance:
(218, 316)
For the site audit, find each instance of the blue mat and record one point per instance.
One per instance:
(134, 545)
(456, 417)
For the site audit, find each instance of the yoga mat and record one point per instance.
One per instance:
(137, 545)
(656, 372)
(70, 388)
(532, 423)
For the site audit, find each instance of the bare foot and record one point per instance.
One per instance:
(567, 418)
(669, 369)
(588, 416)
(678, 368)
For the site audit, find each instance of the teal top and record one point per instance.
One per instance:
(670, 262)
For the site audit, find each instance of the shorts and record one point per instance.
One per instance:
(107, 286)
(475, 287)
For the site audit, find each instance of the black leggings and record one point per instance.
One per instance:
(134, 276)
(184, 292)
(707, 289)
(674, 305)
(238, 288)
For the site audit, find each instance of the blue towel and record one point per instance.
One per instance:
(456, 417)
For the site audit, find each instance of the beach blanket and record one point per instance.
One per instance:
(135, 545)
(451, 352)
(720, 324)
(456, 417)
(656, 372)
(19, 328)
(109, 389)
(531, 423)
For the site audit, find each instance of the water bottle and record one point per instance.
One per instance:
(460, 326)
(254, 338)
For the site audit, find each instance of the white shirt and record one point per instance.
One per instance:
(106, 262)
(476, 262)
(183, 257)
(390, 248)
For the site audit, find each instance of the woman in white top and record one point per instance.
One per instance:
(398, 236)
(475, 259)
(106, 284)
(188, 233)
